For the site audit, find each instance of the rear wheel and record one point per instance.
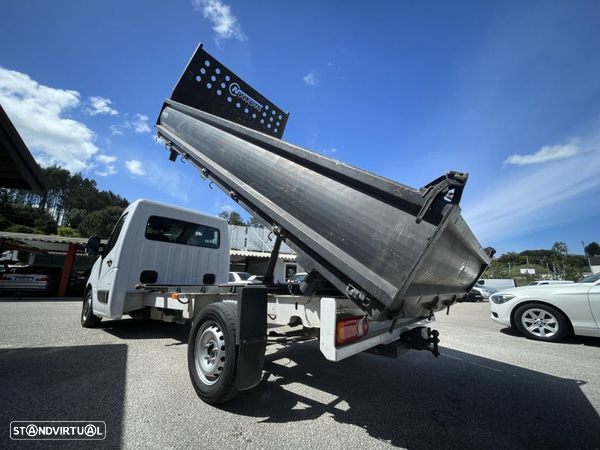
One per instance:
(212, 353)
(541, 322)
(88, 319)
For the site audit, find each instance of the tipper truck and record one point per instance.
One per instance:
(381, 258)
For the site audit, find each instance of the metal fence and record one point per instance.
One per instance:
(254, 239)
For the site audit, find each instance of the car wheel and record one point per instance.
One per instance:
(88, 319)
(541, 322)
(212, 353)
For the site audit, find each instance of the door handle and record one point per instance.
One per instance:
(109, 262)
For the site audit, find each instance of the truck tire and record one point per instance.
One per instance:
(88, 319)
(541, 322)
(212, 353)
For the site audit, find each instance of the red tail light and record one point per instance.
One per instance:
(41, 279)
(5, 278)
(349, 330)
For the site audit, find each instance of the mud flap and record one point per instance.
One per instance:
(251, 335)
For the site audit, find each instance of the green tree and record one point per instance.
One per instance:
(592, 249)
(577, 261)
(573, 273)
(67, 231)
(70, 197)
(45, 224)
(255, 223)
(235, 219)
(20, 229)
(560, 249)
(100, 223)
(224, 215)
(512, 258)
(75, 216)
(4, 223)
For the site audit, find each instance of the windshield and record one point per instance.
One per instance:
(591, 278)
(243, 275)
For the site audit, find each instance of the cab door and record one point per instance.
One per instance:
(108, 268)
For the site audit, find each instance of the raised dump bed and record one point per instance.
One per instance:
(397, 252)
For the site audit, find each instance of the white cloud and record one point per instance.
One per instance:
(37, 112)
(109, 167)
(100, 105)
(225, 24)
(546, 154)
(159, 176)
(331, 150)
(223, 207)
(135, 167)
(117, 130)
(537, 198)
(106, 159)
(140, 124)
(311, 79)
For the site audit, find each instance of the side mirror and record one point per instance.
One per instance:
(93, 247)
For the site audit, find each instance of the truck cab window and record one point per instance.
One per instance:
(165, 229)
(114, 236)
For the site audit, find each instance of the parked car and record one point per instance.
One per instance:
(78, 281)
(255, 279)
(38, 279)
(496, 283)
(484, 292)
(297, 278)
(548, 312)
(4, 267)
(474, 296)
(540, 282)
(239, 278)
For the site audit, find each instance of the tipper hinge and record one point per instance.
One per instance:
(441, 187)
(359, 296)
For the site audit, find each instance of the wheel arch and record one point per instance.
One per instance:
(542, 302)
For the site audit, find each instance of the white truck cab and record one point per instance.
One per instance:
(154, 243)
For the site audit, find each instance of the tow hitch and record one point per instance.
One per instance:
(422, 338)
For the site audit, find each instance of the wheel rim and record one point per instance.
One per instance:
(540, 322)
(209, 355)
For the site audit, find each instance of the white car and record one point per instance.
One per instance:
(548, 312)
(485, 292)
(297, 278)
(239, 277)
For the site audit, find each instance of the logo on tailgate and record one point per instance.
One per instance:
(236, 91)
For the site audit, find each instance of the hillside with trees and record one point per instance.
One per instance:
(555, 263)
(73, 206)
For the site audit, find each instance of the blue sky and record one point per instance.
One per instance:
(508, 91)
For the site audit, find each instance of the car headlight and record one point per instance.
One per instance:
(501, 298)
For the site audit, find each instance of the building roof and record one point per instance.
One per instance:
(18, 169)
(242, 254)
(50, 244)
(60, 244)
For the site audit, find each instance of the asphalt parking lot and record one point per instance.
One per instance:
(491, 388)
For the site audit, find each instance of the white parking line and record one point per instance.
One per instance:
(475, 364)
